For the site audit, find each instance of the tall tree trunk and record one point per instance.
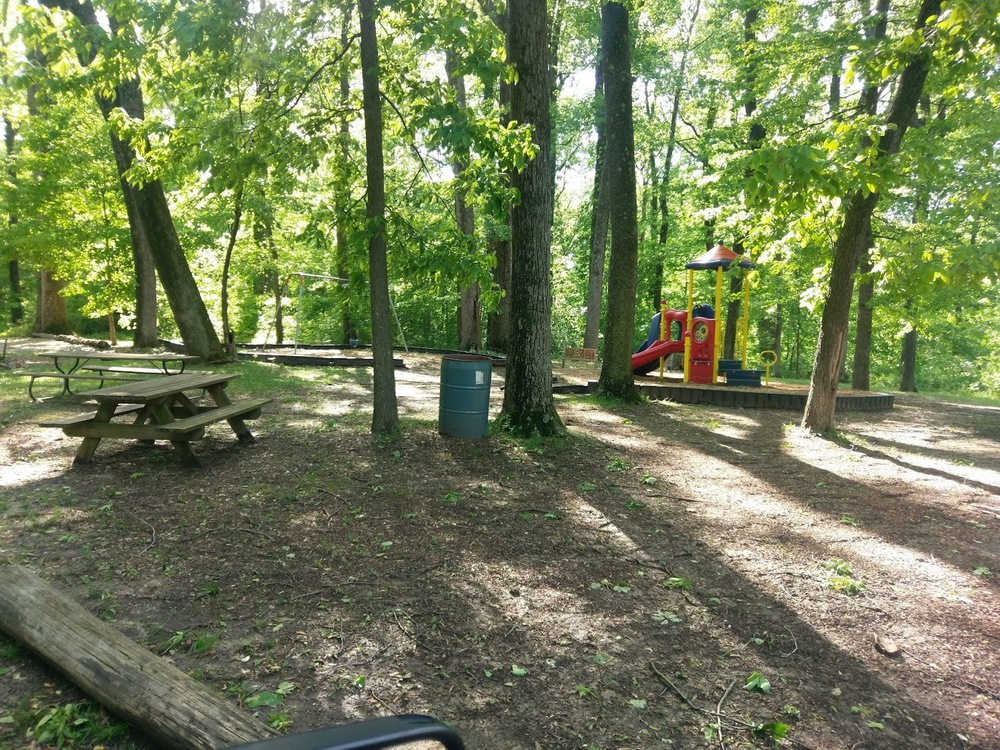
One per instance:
(852, 240)
(190, 313)
(234, 230)
(263, 236)
(598, 222)
(908, 361)
(528, 408)
(16, 301)
(469, 330)
(877, 20)
(385, 414)
(861, 373)
(344, 147)
(50, 311)
(13, 268)
(146, 332)
(498, 328)
(755, 138)
(617, 379)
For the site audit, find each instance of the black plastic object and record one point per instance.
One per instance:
(373, 734)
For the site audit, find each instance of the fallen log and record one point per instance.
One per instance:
(155, 696)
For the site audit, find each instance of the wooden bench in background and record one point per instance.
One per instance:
(580, 355)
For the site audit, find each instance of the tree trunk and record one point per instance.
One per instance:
(598, 223)
(177, 712)
(50, 311)
(853, 239)
(151, 209)
(469, 330)
(263, 235)
(343, 196)
(16, 302)
(234, 230)
(157, 225)
(385, 416)
(146, 332)
(755, 137)
(908, 361)
(528, 408)
(616, 379)
(13, 268)
(877, 20)
(861, 374)
(498, 329)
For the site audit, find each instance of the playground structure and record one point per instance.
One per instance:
(695, 332)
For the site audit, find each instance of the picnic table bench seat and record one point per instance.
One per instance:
(245, 408)
(139, 370)
(88, 416)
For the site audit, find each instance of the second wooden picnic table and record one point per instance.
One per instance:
(70, 362)
(162, 410)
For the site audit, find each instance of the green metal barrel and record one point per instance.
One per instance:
(464, 407)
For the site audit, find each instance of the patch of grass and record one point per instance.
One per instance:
(74, 725)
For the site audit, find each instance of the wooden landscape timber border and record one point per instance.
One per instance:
(155, 696)
(745, 398)
(314, 360)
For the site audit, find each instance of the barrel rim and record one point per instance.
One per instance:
(468, 357)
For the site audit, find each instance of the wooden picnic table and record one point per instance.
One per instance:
(69, 363)
(160, 410)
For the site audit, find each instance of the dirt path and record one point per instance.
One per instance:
(616, 590)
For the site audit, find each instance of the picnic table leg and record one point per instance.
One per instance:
(145, 414)
(243, 434)
(163, 415)
(85, 453)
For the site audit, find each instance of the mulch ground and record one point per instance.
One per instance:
(670, 576)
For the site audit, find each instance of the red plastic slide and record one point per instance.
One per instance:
(653, 353)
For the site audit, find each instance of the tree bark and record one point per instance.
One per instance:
(385, 414)
(50, 311)
(528, 408)
(853, 238)
(755, 137)
(469, 329)
(172, 708)
(616, 379)
(263, 235)
(13, 267)
(908, 361)
(598, 221)
(234, 230)
(345, 147)
(861, 373)
(498, 327)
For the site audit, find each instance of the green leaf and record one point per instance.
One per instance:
(637, 703)
(519, 671)
(758, 683)
(264, 698)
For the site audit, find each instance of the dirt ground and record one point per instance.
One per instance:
(669, 576)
